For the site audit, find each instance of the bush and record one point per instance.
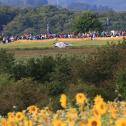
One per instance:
(89, 89)
(107, 90)
(6, 79)
(22, 94)
(19, 70)
(6, 61)
(101, 66)
(40, 69)
(122, 44)
(62, 71)
(120, 80)
(56, 88)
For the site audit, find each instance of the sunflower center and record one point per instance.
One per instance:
(94, 123)
(80, 96)
(33, 109)
(102, 106)
(19, 116)
(59, 124)
(123, 124)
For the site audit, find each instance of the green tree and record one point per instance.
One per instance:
(35, 20)
(87, 21)
(7, 14)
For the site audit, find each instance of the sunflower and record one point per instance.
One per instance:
(3, 122)
(71, 114)
(98, 99)
(96, 113)
(19, 116)
(83, 123)
(120, 122)
(63, 100)
(80, 98)
(11, 116)
(58, 122)
(112, 109)
(101, 107)
(11, 123)
(94, 122)
(32, 109)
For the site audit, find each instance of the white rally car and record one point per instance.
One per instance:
(62, 45)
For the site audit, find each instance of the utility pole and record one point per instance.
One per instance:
(47, 28)
(107, 23)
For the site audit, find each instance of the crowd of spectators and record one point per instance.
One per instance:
(92, 35)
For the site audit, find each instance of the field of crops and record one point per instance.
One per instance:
(80, 111)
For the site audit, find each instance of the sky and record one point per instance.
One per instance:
(115, 4)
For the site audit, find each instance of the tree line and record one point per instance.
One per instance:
(37, 20)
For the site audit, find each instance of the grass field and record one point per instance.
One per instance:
(30, 44)
(36, 48)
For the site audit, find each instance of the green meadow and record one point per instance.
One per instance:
(37, 48)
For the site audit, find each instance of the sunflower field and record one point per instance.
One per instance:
(79, 111)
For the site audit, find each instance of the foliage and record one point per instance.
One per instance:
(87, 21)
(62, 71)
(21, 94)
(35, 21)
(6, 79)
(100, 73)
(6, 61)
(113, 20)
(7, 14)
(101, 66)
(120, 80)
(39, 69)
(56, 88)
(19, 70)
(123, 44)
